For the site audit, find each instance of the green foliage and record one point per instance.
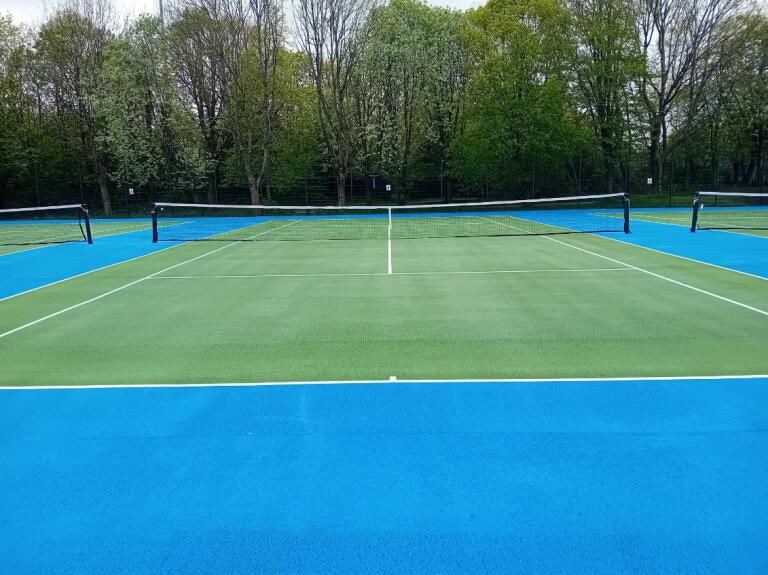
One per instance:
(514, 98)
(410, 89)
(297, 151)
(608, 66)
(150, 136)
(14, 103)
(745, 118)
(518, 117)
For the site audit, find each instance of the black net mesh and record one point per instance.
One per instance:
(585, 214)
(53, 224)
(722, 211)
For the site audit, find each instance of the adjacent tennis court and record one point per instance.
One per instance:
(568, 401)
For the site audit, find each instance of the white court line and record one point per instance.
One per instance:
(176, 245)
(687, 224)
(29, 247)
(389, 381)
(654, 274)
(738, 231)
(110, 292)
(262, 223)
(622, 242)
(389, 244)
(138, 228)
(98, 297)
(684, 222)
(95, 237)
(146, 226)
(94, 223)
(270, 230)
(377, 274)
(88, 272)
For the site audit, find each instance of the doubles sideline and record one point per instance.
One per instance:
(648, 272)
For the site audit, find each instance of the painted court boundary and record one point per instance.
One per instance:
(131, 229)
(110, 292)
(6, 298)
(389, 257)
(155, 274)
(175, 245)
(391, 380)
(627, 243)
(648, 272)
(117, 289)
(665, 278)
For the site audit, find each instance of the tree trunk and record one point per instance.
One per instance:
(254, 187)
(341, 180)
(264, 164)
(212, 188)
(609, 157)
(755, 162)
(106, 202)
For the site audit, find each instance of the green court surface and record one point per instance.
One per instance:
(452, 308)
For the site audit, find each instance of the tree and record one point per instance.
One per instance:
(408, 88)
(517, 115)
(608, 66)
(333, 35)
(14, 107)
(396, 58)
(447, 86)
(251, 34)
(69, 54)
(680, 40)
(195, 48)
(150, 136)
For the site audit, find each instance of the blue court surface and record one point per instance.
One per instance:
(529, 477)
(584, 475)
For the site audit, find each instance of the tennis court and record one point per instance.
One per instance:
(559, 402)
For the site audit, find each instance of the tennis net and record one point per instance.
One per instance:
(580, 214)
(46, 225)
(728, 211)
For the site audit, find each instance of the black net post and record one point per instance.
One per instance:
(154, 224)
(626, 213)
(696, 208)
(87, 222)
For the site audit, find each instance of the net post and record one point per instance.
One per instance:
(696, 208)
(626, 213)
(87, 220)
(154, 224)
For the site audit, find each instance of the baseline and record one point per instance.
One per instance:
(391, 380)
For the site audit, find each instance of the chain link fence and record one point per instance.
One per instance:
(681, 178)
